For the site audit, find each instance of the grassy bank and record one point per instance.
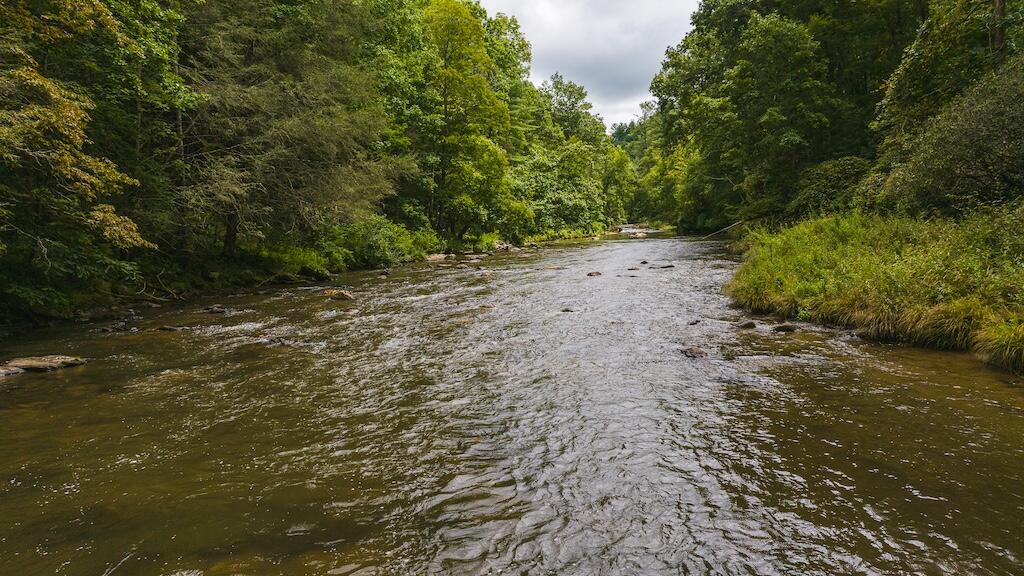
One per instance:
(941, 283)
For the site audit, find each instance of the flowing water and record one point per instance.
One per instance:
(463, 421)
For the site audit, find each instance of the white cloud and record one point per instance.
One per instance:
(613, 47)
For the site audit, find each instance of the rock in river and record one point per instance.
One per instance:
(44, 363)
(334, 294)
(695, 352)
(746, 325)
(6, 371)
(785, 328)
(594, 274)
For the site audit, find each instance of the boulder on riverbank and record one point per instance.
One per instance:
(41, 364)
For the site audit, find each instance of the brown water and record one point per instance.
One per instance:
(454, 422)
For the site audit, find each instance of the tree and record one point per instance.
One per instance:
(783, 106)
(465, 117)
(969, 155)
(571, 111)
(57, 224)
(287, 127)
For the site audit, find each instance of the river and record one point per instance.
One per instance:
(514, 416)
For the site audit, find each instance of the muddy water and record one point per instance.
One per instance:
(457, 421)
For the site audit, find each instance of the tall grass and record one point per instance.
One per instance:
(941, 283)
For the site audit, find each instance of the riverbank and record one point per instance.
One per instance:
(944, 284)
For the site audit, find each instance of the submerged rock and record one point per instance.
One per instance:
(695, 352)
(567, 310)
(214, 309)
(278, 342)
(785, 328)
(644, 262)
(118, 327)
(171, 329)
(667, 266)
(694, 322)
(44, 363)
(634, 268)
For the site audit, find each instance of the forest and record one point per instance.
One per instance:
(874, 152)
(869, 156)
(158, 146)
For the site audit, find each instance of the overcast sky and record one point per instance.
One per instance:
(612, 47)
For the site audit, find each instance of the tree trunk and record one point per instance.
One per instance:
(999, 32)
(180, 124)
(231, 234)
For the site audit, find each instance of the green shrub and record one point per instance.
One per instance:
(941, 283)
(376, 242)
(829, 186)
(567, 233)
(294, 259)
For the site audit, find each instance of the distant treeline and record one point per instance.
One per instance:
(154, 145)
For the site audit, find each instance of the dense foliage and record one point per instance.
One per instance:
(896, 127)
(772, 110)
(156, 144)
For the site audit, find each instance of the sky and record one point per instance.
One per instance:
(612, 47)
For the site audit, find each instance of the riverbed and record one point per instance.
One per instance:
(509, 416)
